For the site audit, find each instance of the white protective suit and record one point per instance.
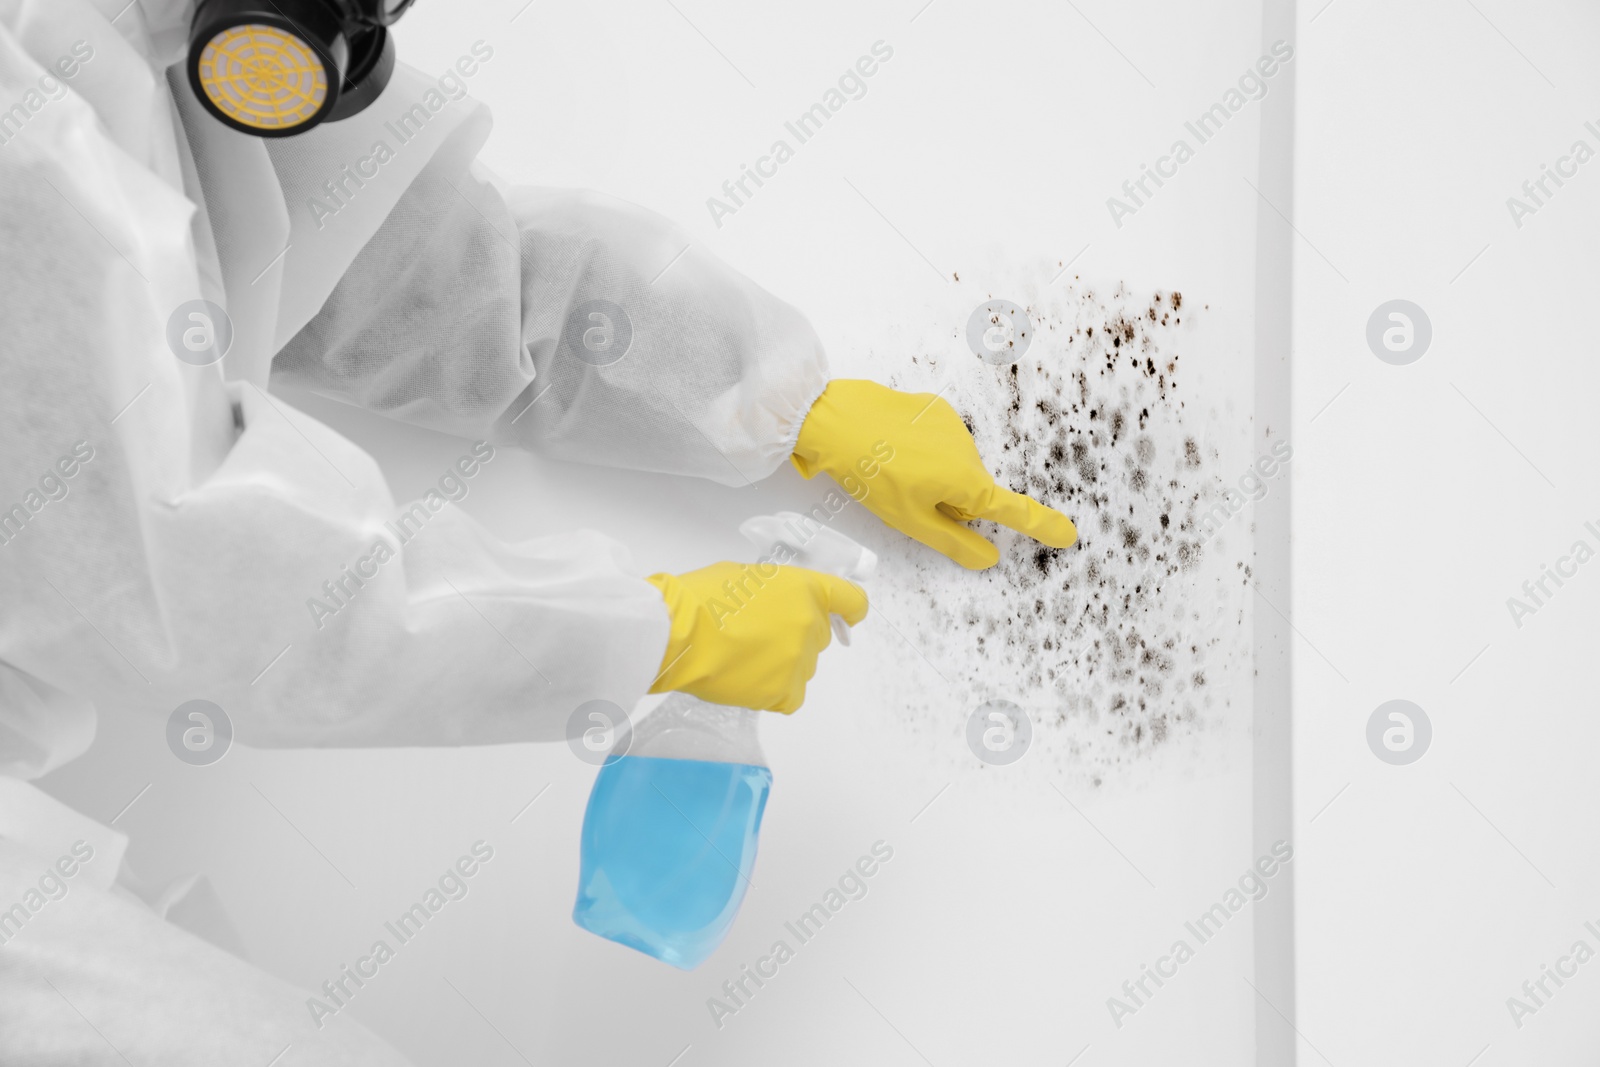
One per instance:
(201, 514)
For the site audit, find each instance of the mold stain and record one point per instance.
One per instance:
(1114, 645)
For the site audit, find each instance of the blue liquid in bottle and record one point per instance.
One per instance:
(667, 850)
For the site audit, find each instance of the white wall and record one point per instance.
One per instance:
(1426, 495)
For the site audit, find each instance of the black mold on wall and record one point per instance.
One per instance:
(1112, 645)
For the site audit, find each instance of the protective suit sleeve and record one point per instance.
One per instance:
(567, 322)
(277, 578)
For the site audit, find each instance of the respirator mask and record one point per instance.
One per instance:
(273, 68)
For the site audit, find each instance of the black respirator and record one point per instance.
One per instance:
(278, 67)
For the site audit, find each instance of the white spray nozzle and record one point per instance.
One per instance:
(805, 542)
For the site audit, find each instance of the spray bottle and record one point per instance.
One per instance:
(669, 836)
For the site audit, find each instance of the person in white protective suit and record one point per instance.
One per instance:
(164, 523)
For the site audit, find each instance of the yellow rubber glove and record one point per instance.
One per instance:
(910, 459)
(748, 634)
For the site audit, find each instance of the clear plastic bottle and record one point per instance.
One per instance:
(669, 836)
